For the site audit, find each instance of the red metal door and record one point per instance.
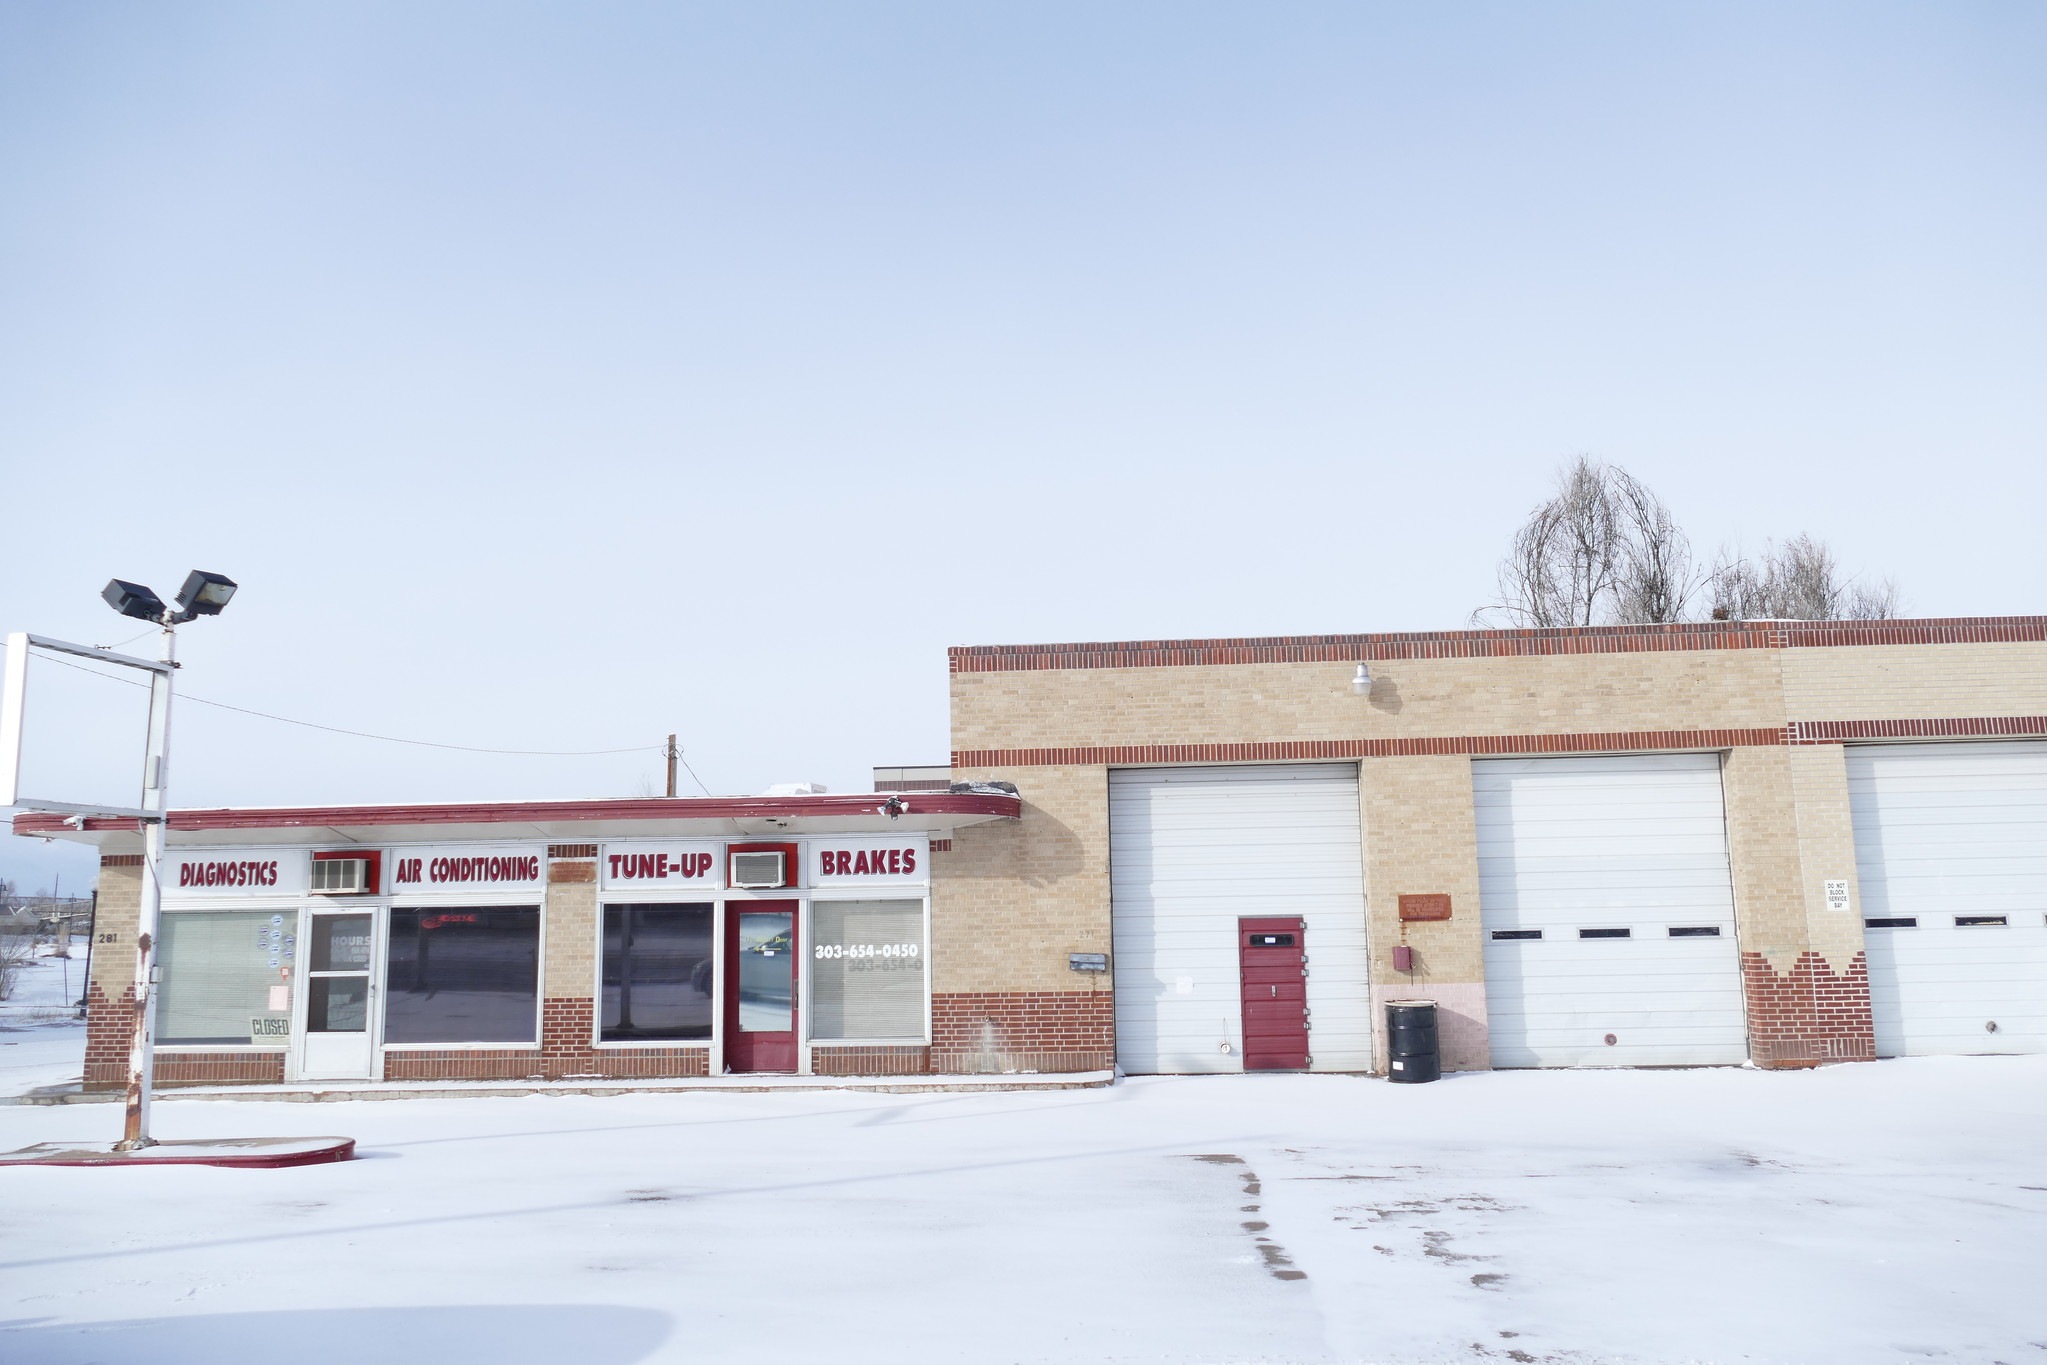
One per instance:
(1272, 966)
(760, 985)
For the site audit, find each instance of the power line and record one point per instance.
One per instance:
(388, 739)
(692, 772)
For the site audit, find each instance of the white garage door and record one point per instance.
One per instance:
(1191, 851)
(1951, 853)
(1608, 912)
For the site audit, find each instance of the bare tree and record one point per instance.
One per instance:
(17, 939)
(1561, 569)
(1657, 576)
(1799, 580)
(1603, 548)
(1878, 601)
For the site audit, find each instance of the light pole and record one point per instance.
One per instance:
(204, 594)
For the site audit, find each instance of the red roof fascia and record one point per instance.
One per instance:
(646, 808)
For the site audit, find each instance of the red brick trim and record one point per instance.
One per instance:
(1810, 1014)
(941, 845)
(572, 850)
(121, 860)
(1309, 750)
(1972, 727)
(1470, 644)
(977, 1032)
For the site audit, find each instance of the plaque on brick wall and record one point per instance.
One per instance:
(1429, 907)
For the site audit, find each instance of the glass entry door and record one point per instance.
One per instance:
(336, 1040)
(760, 986)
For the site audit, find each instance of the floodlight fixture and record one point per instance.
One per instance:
(132, 599)
(204, 594)
(1361, 681)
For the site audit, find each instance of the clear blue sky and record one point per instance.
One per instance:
(558, 375)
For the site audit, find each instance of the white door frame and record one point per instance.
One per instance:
(373, 1025)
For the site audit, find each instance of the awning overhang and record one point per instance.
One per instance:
(694, 817)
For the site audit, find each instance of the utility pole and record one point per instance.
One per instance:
(673, 754)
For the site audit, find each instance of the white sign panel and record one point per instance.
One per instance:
(467, 867)
(688, 865)
(868, 861)
(1837, 894)
(235, 872)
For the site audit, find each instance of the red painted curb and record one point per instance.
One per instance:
(256, 1158)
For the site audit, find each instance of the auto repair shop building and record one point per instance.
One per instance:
(1791, 842)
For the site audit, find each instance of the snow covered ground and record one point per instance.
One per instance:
(46, 984)
(1865, 1214)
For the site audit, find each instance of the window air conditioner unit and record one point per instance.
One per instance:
(759, 870)
(340, 876)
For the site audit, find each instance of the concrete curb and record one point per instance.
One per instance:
(497, 1090)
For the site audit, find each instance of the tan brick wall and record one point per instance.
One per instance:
(569, 926)
(120, 905)
(1250, 703)
(1011, 900)
(1420, 839)
(1885, 682)
(1763, 853)
(1826, 849)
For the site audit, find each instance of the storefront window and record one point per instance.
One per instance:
(657, 972)
(221, 972)
(867, 969)
(463, 976)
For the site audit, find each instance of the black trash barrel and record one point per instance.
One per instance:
(1411, 1041)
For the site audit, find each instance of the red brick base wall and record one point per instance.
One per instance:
(997, 1031)
(568, 1023)
(1810, 1014)
(109, 1031)
(219, 1068)
(982, 1032)
(870, 1061)
(464, 1064)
